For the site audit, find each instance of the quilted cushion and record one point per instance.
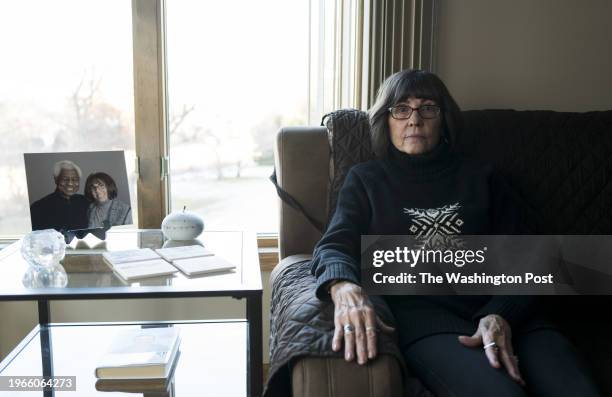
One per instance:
(349, 142)
(560, 163)
(302, 325)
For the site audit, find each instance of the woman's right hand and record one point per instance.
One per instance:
(355, 322)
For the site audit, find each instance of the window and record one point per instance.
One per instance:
(213, 82)
(237, 72)
(67, 85)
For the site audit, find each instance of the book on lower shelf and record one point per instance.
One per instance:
(143, 387)
(147, 387)
(144, 353)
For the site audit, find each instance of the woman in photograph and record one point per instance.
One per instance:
(457, 345)
(101, 190)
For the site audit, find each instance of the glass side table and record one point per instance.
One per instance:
(89, 277)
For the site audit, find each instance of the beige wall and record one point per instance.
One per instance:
(18, 318)
(526, 54)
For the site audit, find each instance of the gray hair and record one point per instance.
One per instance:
(65, 165)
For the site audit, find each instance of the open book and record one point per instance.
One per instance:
(203, 265)
(192, 260)
(184, 252)
(195, 260)
(139, 263)
(144, 353)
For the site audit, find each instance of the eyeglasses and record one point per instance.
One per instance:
(403, 112)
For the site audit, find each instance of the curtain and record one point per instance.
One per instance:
(356, 44)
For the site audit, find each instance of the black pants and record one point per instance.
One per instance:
(547, 361)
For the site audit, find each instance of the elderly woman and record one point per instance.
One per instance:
(457, 345)
(101, 190)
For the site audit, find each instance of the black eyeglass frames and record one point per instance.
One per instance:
(403, 112)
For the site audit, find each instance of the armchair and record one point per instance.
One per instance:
(561, 165)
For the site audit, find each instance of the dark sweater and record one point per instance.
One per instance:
(383, 197)
(54, 211)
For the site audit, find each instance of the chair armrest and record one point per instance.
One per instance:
(334, 377)
(302, 170)
(283, 264)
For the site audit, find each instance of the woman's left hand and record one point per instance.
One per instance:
(495, 335)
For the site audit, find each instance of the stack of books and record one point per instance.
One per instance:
(144, 353)
(192, 260)
(139, 361)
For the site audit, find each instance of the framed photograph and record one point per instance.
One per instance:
(77, 190)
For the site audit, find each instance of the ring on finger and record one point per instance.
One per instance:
(348, 328)
(492, 344)
(370, 327)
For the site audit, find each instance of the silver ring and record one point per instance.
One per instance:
(492, 344)
(371, 327)
(348, 328)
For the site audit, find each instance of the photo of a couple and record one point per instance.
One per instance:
(73, 204)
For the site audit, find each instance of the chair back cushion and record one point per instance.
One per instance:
(349, 141)
(560, 163)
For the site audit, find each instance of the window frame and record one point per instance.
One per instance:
(150, 112)
(151, 122)
(383, 46)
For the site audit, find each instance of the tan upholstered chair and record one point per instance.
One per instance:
(303, 171)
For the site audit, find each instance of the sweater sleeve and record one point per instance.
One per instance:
(508, 214)
(336, 256)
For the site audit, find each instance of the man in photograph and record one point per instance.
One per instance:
(64, 209)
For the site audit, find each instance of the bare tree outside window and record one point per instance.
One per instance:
(227, 100)
(62, 91)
